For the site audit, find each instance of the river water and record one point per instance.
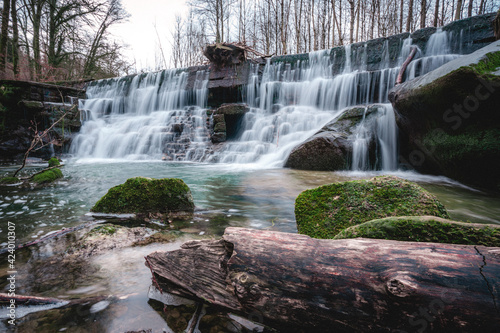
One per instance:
(224, 195)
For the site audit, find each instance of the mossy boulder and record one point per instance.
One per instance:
(9, 180)
(426, 229)
(448, 119)
(324, 211)
(149, 197)
(54, 162)
(46, 177)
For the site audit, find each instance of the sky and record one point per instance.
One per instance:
(139, 31)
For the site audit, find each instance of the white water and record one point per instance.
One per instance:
(150, 118)
(155, 117)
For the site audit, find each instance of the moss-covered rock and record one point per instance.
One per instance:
(325, 211)
(147, 196)
(47, 176)
(54, 162)
(425, 229)
(448, 119)
(9, 180)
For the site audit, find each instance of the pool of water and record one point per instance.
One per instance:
(224, 195)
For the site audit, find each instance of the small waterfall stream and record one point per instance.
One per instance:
(153, 116)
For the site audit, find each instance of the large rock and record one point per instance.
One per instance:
(331, 148)
(426, 229)
(325, 211)
(448, 119)
(169, 197)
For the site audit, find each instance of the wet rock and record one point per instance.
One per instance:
(448, 119)
(330, 148)
(47, 176)
(108, 237)
(325, 211)
(178, 128)
(426, 229)
(147, 197)
(9, 180)
(326, 151)
(233, 109)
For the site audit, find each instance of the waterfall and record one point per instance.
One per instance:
(154, 116)
(294, 100)
(147, 116)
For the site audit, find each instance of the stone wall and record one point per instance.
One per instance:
(22, 103)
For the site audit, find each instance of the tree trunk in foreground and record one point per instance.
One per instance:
(296, 283)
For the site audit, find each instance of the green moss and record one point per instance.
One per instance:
(325, 211)
(220, 127)
(146, 195)
(47, 176)
(9, 180)
(488, 64)
(53, 162)
(105, 229)
(449, 148)
(425, 229)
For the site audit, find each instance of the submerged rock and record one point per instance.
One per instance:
(148, 197)
(325, 211)
(448, 119)
(426, 229)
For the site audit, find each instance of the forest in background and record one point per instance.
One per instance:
(66, 40)
(60, 40)
(278, 27)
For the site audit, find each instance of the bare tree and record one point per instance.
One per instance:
(3, 37)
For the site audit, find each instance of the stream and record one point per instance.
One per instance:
(243, 195)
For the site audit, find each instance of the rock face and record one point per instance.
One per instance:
(425, 229)
(448, 119)
(148, 197)
(331, 148)
(22, 102)
(226, 121)
(325, 211)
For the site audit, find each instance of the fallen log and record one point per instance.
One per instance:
(296, 283)
(405, 64)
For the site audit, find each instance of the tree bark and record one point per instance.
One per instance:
(410, 16)
(423, 13)
(3, 37)
(458, 12)
(295, 282)
(15, 39)
(436, 14)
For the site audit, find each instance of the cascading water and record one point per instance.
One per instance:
(149, 116)
(153, 116)
(292, 102)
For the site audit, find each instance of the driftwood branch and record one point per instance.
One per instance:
(410, 57)
(297, 283)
